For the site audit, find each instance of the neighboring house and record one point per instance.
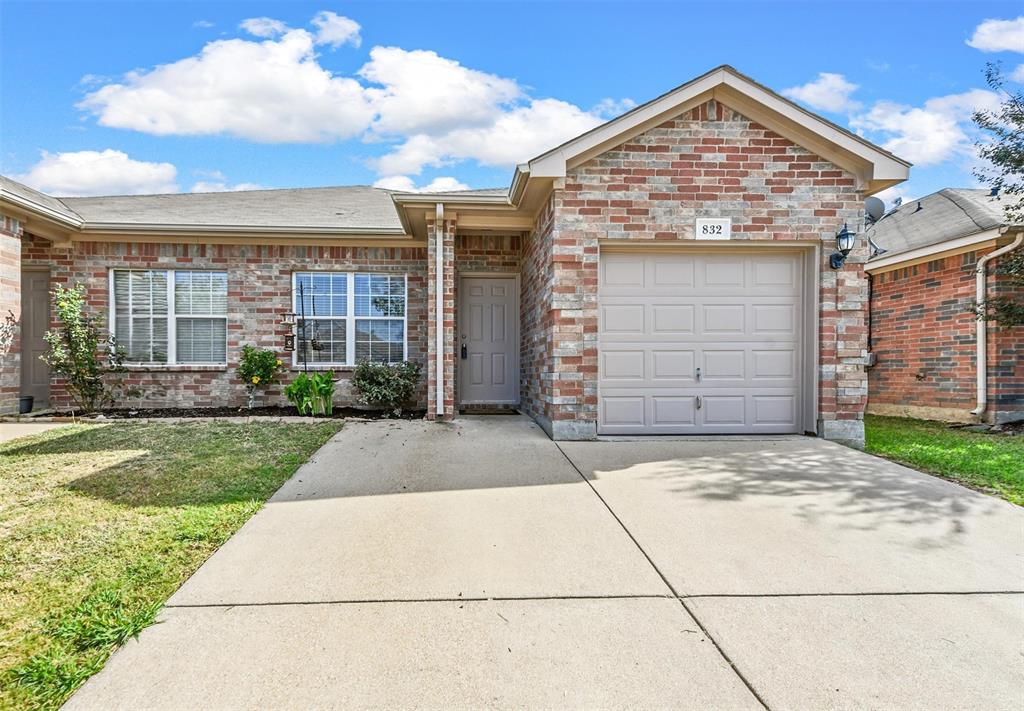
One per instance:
(593, 293)
(924, 332)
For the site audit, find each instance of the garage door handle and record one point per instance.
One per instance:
(698, 375)
(698, 402)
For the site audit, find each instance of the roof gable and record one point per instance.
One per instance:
(874, 167)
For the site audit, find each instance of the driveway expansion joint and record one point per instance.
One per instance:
(675, 593)
(400, 600)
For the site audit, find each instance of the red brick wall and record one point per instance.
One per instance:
(708, 162)
(535, 313)
(10, 313)
(259, 291)
(923, 336)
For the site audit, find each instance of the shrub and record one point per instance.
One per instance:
(74, 349)
(388, 385)
(258, 368)
(312, 394)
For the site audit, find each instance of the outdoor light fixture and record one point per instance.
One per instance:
(844, 241)
(288, 318)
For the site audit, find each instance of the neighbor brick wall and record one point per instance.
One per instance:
(259, 291)
(708, 162)
(923, 331)
(10, 313)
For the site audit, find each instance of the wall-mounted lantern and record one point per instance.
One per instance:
(844, 241)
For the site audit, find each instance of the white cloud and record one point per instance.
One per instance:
(106, 172)
(422, 92)
(203, 24)
(1017, 74)
(216, 186)
(336, 30)
(829, 92)
(938, 131)
(263, 27)
(999, 36)
(611, 108)
(432, 109)
(270, 91)
(515, 136)
(405, 184)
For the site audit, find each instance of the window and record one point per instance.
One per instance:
(170, 316)
(350, 317)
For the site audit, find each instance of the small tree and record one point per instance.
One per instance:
(1003, 149)
(75, 350)
(257, 369)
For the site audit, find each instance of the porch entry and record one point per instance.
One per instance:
(35, 320)
(488, 341)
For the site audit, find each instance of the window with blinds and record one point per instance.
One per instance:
(165, 316)
(351, 317)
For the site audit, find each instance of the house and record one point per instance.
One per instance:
(664, 273)
(938, 262)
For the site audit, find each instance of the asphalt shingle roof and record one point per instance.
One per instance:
(942, 216)
(355, 207)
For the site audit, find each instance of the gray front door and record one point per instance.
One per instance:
(35, 320)
(488, 341)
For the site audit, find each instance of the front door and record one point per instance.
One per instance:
(488, 341)
(35, 320)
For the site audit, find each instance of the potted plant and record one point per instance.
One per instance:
(258, 368)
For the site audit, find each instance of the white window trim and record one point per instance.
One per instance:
(172, 319)
(350, 317)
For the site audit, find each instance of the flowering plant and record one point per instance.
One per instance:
(258, 368)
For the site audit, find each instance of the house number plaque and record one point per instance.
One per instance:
(713, 228)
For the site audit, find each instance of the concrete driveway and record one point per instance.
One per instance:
(479, 564)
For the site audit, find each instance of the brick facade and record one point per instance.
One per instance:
(923, 336)
(10, 313)
(446, 233)
(708, 162)
(259, 291)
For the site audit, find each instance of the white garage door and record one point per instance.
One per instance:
(696, 343)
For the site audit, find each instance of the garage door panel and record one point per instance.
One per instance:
(736, 317)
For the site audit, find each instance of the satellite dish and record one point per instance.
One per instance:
(874, 208)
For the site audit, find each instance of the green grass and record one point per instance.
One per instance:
(100, 524)
(990, 462)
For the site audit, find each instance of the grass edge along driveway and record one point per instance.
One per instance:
(100, 524)
(988, 462)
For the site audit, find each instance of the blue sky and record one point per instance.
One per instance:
(109, 98)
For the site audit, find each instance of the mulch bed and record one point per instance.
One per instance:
(155, 413)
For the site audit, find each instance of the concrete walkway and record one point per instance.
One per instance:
(13, 430)
(481, 565)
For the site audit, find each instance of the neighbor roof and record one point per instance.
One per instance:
(344, 209)
(940, 217)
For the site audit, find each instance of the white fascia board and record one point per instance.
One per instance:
(33, 208)
(886, 262)
(877, 165)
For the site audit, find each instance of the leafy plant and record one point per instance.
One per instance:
(74, 350)
(312, 394)
(258, 368)
(1003, 151)
(389, 385)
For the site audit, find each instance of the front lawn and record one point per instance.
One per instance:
(100, 524)
(987, 461)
